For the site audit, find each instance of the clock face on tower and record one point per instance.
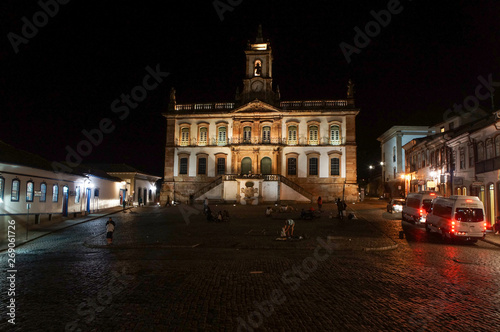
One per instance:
(257, 86)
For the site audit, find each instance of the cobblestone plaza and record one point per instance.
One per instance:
(170, 270)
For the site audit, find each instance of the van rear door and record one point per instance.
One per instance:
(471, 218)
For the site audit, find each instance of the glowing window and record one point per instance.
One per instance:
(203, 135)
(222, 136)
(30, 188)
(266, 134)
(313, 135)
(43, 189)
(55, 193)
(14, 194)
(335, 134)
(185, 136)
(2, 185)
(292, 135)
(247, 134)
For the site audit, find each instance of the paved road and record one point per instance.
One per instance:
(169, 270)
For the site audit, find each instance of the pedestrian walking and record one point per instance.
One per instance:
(205, 203)
(140, 201)
(124, 204)
(320, 203)
(496, 226)
(340, 208)
(110, 228)
(289, 227)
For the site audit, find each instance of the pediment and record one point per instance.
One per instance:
(257, 106)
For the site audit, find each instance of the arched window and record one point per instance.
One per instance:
(185, 136)
(313, 135)
(55, 193)
(489, 149)
(14, 193)
(203, 136)
(246, 165)
(334, 135)
(77, 197)
(247, 134)
(266, 165)
(257, 68)
(266, 134)
(30, 188)
(43, 189)
(292, 135)
(480, 151)
(2, 186)
(222, 137)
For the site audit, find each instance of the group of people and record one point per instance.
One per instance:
(220, 216)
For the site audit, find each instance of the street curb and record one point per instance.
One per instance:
(382, 248)
(56, 230)
(491, 242)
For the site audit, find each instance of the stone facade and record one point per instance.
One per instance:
(309, 145)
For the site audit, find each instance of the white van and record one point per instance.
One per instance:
(418, 205)
(457, 217)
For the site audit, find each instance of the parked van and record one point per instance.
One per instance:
(418, 205)
(457, 217)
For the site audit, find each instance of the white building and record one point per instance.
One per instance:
(393, 154)
(463, 160)
(139, 186)
(29, 181)
(259, 148)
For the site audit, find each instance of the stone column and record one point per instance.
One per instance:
(255, 162)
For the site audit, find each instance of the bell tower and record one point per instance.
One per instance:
(257, 83)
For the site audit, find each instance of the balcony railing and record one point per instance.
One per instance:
(488, 165)
(204, 107)
(257, 141)
(312, 104)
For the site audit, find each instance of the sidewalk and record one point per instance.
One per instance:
(492, 238)
(40, 230)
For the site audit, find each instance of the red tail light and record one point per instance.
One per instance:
(484, 226)
(421, 211)
(432, 194)
(452, 226)
(468, 201)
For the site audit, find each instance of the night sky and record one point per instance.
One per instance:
(65, 78)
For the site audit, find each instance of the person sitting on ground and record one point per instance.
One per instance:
(269, 210)
(219, 216)
(289, 227)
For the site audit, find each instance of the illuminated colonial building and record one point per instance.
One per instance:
(259, 148)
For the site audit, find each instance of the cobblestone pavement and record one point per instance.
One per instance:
(170, 270)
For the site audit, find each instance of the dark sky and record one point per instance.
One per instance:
(66, 77)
